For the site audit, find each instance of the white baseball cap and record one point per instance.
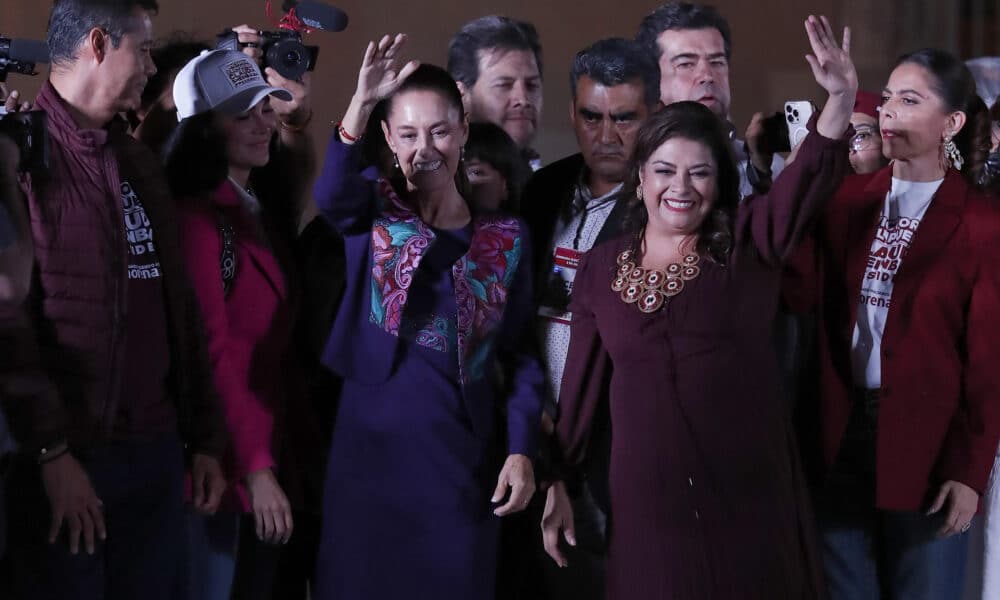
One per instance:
(226, 81)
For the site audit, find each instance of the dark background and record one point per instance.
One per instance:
(769, 41)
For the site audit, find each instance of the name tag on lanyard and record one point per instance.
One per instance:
(559, 286)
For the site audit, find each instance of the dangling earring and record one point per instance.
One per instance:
(638, 194)
(461, 154)
(395, 161)
(951, 154)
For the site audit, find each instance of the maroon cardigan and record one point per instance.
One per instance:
(71, 343)
(939, 414)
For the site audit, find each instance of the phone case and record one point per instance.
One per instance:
(797, 115)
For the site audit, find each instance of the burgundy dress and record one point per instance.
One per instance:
(708, 499)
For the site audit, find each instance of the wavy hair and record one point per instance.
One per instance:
(689, 121)
(195, 162)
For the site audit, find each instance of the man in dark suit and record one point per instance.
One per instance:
(571, 206)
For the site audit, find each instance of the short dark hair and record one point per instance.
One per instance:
(170, 56)
(615, 61)
(682, 15)
(489, 33)
(71, 21)
(691, 121)
(492, 145)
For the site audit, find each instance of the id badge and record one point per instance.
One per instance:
(559, 286)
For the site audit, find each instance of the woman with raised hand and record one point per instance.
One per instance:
(435, 293)
(903, 275)
(672, 326)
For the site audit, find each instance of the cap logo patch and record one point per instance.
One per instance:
(240, 73)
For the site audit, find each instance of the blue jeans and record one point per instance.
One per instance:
(891, 555)
(212, 542)
(142, 487)
(871, 554)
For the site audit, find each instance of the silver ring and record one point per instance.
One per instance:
(966, 527)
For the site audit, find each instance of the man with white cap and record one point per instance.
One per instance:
(238, 229)
(123, 397)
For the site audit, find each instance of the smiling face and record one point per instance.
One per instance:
(679, 186)
(248, 136)
(693, 66)
(914, 118)
(426, 132)
(508, 93)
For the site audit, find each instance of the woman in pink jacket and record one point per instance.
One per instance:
(237, 236)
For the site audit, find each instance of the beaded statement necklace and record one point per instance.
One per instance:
(649, 289)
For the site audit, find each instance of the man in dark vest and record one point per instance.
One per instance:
(118, 395)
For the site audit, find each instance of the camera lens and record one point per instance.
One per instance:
(289, 58)
(796, 113)
(788, 109)
(791, 119)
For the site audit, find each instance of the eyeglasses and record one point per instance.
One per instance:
(865, 137)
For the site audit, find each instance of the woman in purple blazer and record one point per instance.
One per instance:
(436, 296)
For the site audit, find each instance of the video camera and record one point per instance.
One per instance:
(27, 129)
(283, 50)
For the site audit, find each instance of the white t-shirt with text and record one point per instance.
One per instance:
(905, 205)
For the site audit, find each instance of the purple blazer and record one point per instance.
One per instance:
(363, 350)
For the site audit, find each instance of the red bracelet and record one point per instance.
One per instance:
(346, 136)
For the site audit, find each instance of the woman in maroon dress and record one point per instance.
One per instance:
(672, 325)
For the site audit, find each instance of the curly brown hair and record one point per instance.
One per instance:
(690, 121)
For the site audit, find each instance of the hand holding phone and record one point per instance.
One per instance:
(784, 130)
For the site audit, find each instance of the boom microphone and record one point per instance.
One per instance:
(316, 15)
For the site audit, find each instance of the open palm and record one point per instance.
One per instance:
(380, 76)
(831, 62)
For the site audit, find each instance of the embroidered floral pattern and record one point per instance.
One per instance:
(435, 332)
(482, 279)
(398, 243)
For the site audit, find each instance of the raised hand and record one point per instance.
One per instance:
(380, 76)
(834, 70)
(297, 112)
(250, 41)
(831, 62)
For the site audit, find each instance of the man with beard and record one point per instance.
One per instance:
(571, 206)
(497, 63)
(693, 46)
